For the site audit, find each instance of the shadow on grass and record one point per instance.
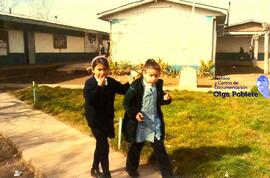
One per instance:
(188, 161)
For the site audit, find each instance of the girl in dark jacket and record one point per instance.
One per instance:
(99, 93)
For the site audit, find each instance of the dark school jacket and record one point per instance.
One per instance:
(133, 104)
(99, 103)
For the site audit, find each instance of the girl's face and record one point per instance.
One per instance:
(100, 71)
(151, 76)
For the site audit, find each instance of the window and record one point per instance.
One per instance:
(105, 37)
(91, 37)
(3, 43)
(60, 41)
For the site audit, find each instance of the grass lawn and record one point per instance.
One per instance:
(205, 136)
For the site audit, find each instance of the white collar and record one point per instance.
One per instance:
(145, 84)
(106, 80)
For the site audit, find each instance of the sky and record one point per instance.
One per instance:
(82, 13)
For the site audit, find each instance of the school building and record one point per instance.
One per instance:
(25, 40)
(178, 31)
(252, 36)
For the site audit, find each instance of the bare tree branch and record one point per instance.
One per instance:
(3, 5)
(40, 8)
(6, 4)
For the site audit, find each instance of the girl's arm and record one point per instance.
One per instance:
(120, 88)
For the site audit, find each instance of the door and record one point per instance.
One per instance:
(29, 47)
(3, 43)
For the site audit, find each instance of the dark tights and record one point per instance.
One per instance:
(101, 154)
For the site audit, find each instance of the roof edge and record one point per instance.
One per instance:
(134, 4)
(246, 21)
(49, 23)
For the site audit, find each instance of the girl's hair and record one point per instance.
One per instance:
(151, 64)
(98, 60)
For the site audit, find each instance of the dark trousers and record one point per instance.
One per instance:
(101, 154)
(133, 158)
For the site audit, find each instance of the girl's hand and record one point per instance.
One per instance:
(133, 76)
(166, 96)
(139, 117)
(130, 80)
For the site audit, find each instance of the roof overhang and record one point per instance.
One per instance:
(103, 15)
(249, 27)
(23, 21)
(246, 22)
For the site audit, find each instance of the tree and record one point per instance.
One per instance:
(40, 8)
(5, 5)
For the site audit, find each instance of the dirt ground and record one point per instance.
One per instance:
(49, 74)
(75, 73)
(10, 161)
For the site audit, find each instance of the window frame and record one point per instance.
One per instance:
(59, 41)
(5, 39)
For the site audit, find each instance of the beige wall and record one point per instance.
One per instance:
(163, 30)
(16, 41)
(74, 44)
(233, 44)
(44, 44)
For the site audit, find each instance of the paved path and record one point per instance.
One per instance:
(52, 148)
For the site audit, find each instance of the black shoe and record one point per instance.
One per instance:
(106, 174)
(96, 173)
(132, 173)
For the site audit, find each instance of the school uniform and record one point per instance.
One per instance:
(146, 99)
(99, 113)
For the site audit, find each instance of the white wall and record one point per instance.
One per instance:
(44, 44)
(162, 30)
(16, 41)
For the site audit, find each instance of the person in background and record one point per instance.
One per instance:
(241, 53)
(108, 49)
(101, 50)
(251, 52)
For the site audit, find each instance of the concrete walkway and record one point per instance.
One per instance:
(52, 148)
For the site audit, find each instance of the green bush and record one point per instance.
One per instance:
(124, 67)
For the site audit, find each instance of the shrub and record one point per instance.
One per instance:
(207, 69)
(124, 67)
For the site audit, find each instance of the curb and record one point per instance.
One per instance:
(28, 164)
